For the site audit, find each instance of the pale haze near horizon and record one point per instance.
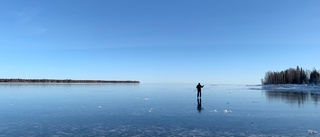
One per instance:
(183, 41)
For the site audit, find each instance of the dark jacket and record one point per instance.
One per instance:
(199, 87)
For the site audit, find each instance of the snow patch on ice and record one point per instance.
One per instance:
(312, 132)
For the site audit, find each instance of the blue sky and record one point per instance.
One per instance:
(165, 41)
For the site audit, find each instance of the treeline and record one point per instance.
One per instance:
(292, 76)
(62, 81)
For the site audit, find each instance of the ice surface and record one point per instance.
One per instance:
(155, 110)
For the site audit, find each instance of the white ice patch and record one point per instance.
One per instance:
(227, 111)
(312, 132)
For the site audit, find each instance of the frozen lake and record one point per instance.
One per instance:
(155, 110)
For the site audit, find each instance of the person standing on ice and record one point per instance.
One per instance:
(199, 86)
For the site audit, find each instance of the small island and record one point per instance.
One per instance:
(297, 76)
(18, 80)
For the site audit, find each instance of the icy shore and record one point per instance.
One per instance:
(287, 87)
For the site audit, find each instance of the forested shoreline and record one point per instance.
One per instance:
(62, 81)
(292, 76)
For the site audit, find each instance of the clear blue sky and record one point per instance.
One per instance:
(165, 41)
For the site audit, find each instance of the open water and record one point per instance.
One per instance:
(155, 110)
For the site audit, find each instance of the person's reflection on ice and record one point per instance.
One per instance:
(199, 107)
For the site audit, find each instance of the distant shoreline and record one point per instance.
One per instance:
(63, 81)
